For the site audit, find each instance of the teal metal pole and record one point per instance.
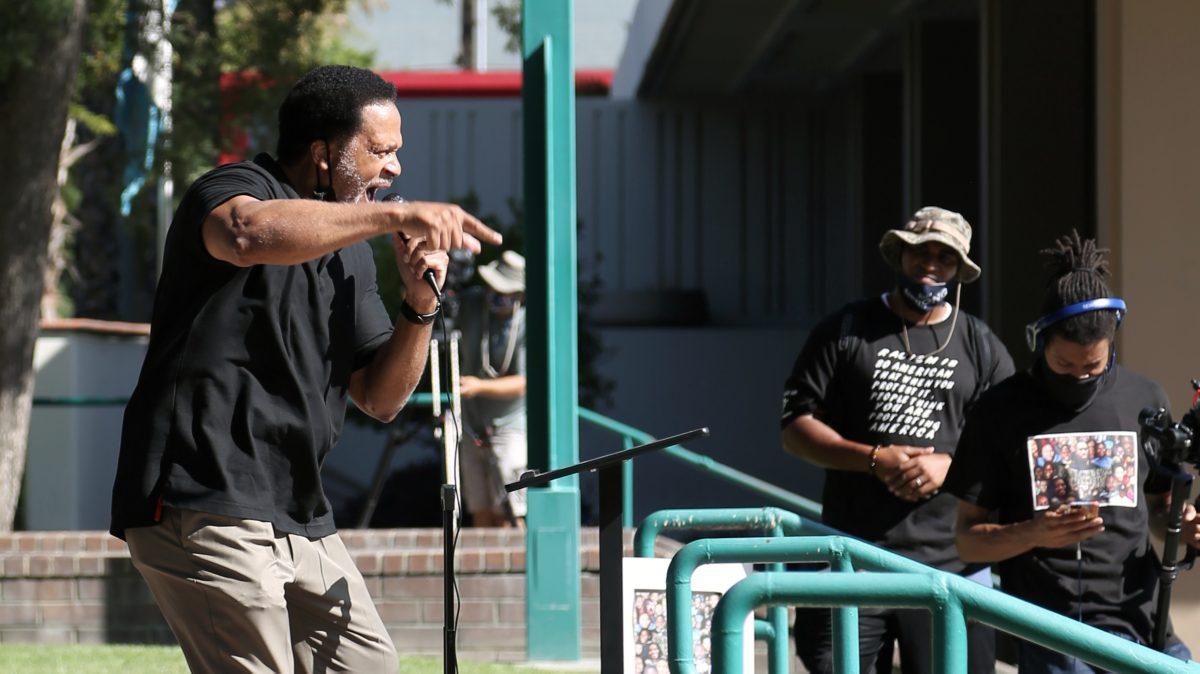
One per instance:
(1062, 634)
(845, 624)
(680, 655)
(893, 590)
(79, 401)
(804, 506)
(768, 520)
(777, 648)
(730, 519)
(552, 523)
(627, 485)
(950, 632)
(983, 604)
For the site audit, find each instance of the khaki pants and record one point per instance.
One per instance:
(485, 471)
(241, 597)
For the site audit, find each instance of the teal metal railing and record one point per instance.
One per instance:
(893, 590)
(631, 436)
(79, 401)
(115, 401)
(905, 583)
(771, 521)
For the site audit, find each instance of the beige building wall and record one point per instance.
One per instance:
(1149, 181)
(1148, 163)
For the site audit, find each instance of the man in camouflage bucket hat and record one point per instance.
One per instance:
(933, 224)
(877, 398)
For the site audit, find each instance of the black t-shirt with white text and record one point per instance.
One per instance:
(999, 467)
(243, 390)
(855, 374)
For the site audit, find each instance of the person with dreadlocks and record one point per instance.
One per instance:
(1084, 552)
(877, 398)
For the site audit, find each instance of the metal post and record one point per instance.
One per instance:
(449, 647)
(762, 550)
(900, 590)
(949, 635)
(611, 548)
(777, 616)
(627, 485)
(552, 533)
(845, 626)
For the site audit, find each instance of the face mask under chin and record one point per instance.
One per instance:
(921, 297)
(1067, 390)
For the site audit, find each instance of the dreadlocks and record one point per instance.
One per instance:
(1077, 271)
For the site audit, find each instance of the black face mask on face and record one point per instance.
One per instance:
(921, 297)
(1067, 390)
(326, 194)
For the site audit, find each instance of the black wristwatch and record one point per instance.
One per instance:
(415, 318)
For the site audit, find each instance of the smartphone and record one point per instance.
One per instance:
(1092, 509)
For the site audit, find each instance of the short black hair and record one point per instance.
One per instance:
(1078, 269)
(326, 104)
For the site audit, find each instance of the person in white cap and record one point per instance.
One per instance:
(877, 398)
(493, 390)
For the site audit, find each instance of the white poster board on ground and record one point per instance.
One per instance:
(644, 607)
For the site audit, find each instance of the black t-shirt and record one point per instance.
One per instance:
(243, 390)
(855, 375)
(1010, 437)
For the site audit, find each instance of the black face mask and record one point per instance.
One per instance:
(920, 297)
(1071, 392)
(326, 194)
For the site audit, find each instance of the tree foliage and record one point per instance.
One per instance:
(233, 61)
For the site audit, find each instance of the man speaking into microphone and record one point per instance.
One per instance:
(267, 316)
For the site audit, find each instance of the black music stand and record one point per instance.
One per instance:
(611, 541)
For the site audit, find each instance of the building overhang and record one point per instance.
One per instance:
(765, 47)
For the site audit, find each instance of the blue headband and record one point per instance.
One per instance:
(1033, 331)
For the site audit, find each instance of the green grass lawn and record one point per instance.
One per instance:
(37, 659)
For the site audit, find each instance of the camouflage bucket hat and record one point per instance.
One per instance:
(932, 224)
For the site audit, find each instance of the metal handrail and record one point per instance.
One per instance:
(767, 521)
(118, 401)
(894, 590)
(629, 436)
(974, 601)
(80, 401)
(807, 507)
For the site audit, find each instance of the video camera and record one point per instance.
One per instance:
(458, 274)
(1173, 442)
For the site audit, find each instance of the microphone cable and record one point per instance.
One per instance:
(430, 278)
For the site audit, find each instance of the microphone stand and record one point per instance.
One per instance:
(449, 650)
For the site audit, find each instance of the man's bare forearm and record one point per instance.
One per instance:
(816, 442)
(502, 388)
(991, 542)
(291, 231)
(382, 387)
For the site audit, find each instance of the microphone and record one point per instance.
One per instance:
(429, 276)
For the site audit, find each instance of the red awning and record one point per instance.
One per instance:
(491, 84)
(422, 84)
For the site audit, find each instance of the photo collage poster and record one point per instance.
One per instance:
(650, 631)
(1084, 468)
(644, 595)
